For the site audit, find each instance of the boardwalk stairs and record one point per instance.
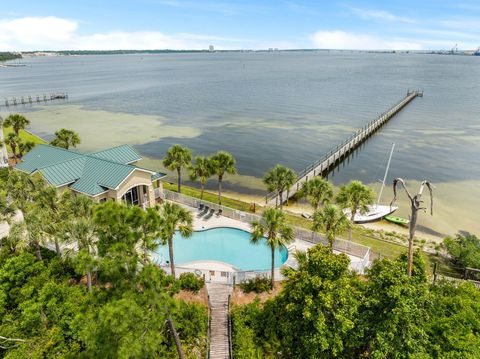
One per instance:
(219, 297)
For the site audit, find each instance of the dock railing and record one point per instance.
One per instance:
(347, 146)
(348, 247)
(209, 328)
(229, 319)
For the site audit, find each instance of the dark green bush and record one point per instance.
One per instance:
(258, 284)
(191, 282)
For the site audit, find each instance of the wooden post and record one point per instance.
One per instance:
(434, 273)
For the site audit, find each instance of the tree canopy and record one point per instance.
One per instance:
(178, 157)
(464, 250)
(65, 139)
(102, 297)
(325, 311)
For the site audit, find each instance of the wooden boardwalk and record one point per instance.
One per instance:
(219, 327)
(337, 154)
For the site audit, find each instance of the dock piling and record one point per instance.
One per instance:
(24, 100)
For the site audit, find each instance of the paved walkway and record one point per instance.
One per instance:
(219, 347)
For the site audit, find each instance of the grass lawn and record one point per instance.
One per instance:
(360, 234)
(24, 136)
(210, 197)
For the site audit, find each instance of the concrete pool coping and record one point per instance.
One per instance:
(199, 224)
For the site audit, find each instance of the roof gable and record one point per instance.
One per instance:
(45, 155)
(90, 174)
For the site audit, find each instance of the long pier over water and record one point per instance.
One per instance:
(342, 150)
(30, 100)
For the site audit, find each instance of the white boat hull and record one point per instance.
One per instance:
(375, 213)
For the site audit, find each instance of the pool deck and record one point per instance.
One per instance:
(200, 223)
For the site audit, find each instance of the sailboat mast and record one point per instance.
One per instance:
(386, 172)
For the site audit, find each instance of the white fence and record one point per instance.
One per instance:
(226, 277)
(354, 249)
(194, 202)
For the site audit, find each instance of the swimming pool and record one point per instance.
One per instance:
(224, 244)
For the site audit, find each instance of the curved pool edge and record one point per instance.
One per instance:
(287, 263)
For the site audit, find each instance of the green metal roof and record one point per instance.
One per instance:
(45, 155)
(157, 176)
(90, 174)
(122, 154)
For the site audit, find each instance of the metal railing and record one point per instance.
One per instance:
(194, 202)
(354, 249)
(229, 277)
(229, 320)
(209, 328)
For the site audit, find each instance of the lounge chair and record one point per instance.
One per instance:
(204, 212)
(200, 207)
(219, 212)
(210, 214)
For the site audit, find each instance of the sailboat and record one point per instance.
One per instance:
(376, 211)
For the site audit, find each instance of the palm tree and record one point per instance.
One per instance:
(22, 189)
(82, 232)
(65, 139)
(331, 220)
(29, 233)
(318, 191)
(148, 227)
(222, 163)
(275, 228)
(17, 122)
(202, 171)
(49, 201)
(7, 211)
(177, 157)
(280, 179)
(13, 141)
(25, 147)
(356, 197)
(174, 218)
(415, 207)
(79, 206)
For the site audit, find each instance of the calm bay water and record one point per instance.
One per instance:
(269, 108)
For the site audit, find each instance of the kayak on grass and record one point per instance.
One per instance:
(397, 220)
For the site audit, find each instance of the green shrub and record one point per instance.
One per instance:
(258, 285)
(191, 282)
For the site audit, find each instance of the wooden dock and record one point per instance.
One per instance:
(30, 100)
(342, 150)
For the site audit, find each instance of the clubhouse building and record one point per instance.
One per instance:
(109, 174)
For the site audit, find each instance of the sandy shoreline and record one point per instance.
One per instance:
(299, 208)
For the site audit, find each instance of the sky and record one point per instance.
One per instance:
(238, 24)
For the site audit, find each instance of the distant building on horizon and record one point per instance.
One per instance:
(211, 48)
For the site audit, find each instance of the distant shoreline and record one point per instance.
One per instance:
(206, 51)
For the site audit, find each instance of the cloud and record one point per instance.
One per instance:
(29, 31)
(342, 40)
(380, 15)
(53, 33)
